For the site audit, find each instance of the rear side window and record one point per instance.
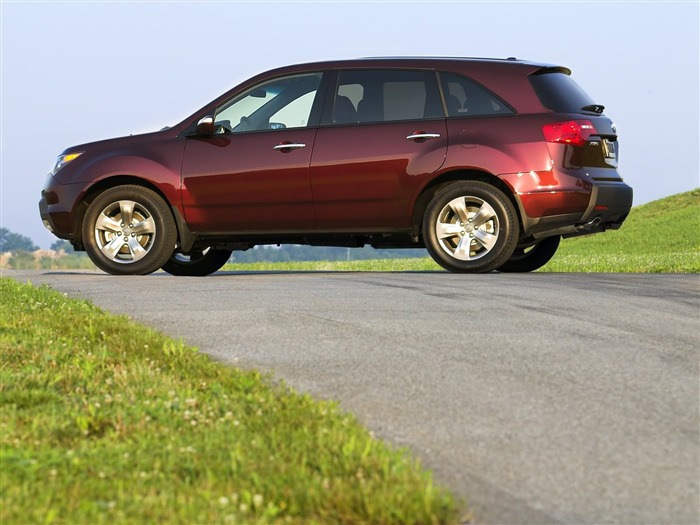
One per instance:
(466, 98)
(559, 92)
(386, 96)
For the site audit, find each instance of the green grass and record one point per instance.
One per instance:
(659, 237)
(369, 265)
(104, 421)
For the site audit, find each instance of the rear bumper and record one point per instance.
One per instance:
(609, 203)
(569, 202)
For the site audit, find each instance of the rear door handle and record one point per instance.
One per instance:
(419, 135)
(288, 146)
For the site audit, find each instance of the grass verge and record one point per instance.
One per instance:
(106, 421)
(658, 237)
(421, 264)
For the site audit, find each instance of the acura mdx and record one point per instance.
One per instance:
(487, 163)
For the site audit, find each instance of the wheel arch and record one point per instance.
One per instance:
(435, 185)
(185, 238)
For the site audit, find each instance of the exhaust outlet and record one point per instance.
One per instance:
(589, 225)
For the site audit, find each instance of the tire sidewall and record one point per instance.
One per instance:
(209, 263)
(165, 234)
(537, 257)
(507, 222)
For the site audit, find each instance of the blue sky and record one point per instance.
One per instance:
(75, 72)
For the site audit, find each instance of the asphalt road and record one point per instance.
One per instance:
(541, 398)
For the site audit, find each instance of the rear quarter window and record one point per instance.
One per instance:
(466, 98)
(559, 92)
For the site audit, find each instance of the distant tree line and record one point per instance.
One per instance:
(15, 242)
(12, 242)
(23, 256)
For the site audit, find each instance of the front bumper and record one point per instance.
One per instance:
(56, 207)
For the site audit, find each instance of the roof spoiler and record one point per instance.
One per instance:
(552, 69)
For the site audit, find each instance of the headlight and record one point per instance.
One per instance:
(64, 159)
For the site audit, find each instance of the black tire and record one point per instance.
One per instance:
(478, 227)
(532, 258)
(197, 263)
(129, 230)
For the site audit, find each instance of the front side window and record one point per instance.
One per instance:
(277, 104)
(386, 96)
(465, 98)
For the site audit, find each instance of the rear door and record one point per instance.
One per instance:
(385, 133)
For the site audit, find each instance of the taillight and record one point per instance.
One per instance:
(574, 132)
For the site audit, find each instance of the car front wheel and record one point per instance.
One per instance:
(470, 227)
(129, 230)
(197, 263)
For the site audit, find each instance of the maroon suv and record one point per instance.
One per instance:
(486, 163)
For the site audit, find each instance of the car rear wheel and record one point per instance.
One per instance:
(197, 263)
(129, 230)
(533, 257)
(470, 227)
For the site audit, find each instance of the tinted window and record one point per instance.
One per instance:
(280, 103)
(559, 92)
(386, 96)
(466, 98)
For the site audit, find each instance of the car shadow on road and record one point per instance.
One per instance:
(319, 272)
(235, 273)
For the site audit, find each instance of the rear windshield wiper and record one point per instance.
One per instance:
(595, 108)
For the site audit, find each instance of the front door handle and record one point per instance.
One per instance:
(420, 135)
(288, 146)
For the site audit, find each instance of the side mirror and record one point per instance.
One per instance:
(205, 126)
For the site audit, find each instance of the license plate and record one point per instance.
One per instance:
(610, 150)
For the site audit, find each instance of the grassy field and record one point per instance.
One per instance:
(658, 237)
(103, 421)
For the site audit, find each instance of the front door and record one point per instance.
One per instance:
(253, 173)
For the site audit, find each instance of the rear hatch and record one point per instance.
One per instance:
(587, 137)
